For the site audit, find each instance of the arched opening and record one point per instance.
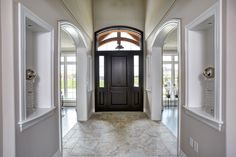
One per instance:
(74, 65)
(170, 81)
(68, 72)
(163, 77)
(118, 69)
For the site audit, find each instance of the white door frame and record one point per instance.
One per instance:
(156, 75)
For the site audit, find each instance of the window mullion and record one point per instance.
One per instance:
(65, 78)
(172, 70)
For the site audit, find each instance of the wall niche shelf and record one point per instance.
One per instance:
(204, 68)
(35, 62)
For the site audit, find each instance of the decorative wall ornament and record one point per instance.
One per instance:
(30, 74)
(209, 73)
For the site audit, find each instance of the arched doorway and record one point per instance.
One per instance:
(155, 74)
(119, 69)
(170, 81)
(68, 72)
(73, 80)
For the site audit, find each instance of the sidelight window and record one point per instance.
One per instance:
(101, 72)
(136, 71)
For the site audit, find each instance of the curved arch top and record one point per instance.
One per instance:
(118, 27)
(77, 36)
(118, 38)
(163, 30)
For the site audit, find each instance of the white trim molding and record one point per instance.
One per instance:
(203, 117)
(39, 115)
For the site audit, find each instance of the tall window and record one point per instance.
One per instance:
(170, 76)
(136, 71)
(101, 72)
(68, 76)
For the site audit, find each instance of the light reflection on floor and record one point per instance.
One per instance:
(69, 119)
(170, 119)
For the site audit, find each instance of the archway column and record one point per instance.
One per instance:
(81, 84)
(156, 83)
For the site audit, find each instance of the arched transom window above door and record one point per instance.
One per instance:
(118, 39)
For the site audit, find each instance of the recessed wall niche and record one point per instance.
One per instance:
(35, 60)
(203, 68)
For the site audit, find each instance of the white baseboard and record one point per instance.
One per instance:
(57, 154)
(182, 154)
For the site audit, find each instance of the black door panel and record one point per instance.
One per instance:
(119, 93)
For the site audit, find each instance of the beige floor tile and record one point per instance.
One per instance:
(119, 134)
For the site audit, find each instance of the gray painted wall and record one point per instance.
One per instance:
(211, 142)
(42, 139)
(231, 77)
(123, 12)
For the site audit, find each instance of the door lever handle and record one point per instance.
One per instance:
(108, 87)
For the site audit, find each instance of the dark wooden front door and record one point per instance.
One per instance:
(119, 89)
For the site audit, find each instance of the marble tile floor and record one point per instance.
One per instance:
(119, 134)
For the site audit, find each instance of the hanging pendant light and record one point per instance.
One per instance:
(119, 46)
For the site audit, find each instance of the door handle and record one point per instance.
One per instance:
(108, 87)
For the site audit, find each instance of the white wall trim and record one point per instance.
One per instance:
(182, 154)
(200, 115)
(57, 154)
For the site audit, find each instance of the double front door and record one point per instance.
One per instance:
(119, 81)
